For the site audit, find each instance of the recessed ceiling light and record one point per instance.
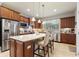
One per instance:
(54, 10)
(28, 10)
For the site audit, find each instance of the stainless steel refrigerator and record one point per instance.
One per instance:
(8, 28)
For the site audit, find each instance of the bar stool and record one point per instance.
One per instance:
(43, 46)
(51, 41)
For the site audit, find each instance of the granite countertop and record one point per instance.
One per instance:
(68, 33)
(28, 37)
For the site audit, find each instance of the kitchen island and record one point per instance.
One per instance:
(22, 45)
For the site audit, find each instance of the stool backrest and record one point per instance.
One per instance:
(52, 36)
(46, 38)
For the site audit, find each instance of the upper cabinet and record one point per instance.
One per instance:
(68, 22)
(24, 19)
(15, 16)
(12, 15)
(5, 12)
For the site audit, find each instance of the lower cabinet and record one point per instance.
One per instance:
(28, 49)
(21, 49)
(12, 48)
(68, 38)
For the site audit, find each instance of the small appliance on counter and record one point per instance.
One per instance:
(68, 30)
(21, 30)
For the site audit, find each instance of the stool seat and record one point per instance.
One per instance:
(41, 43)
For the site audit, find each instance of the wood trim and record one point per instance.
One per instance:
(10, 9)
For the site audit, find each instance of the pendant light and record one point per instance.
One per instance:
(43, 10)
(33, 18)
(39, 21)
(43, 7)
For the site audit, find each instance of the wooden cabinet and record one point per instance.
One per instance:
(68, 22)
(38, 25)
(29, 20)
(12, 48)
(68, 38)
(23, 19)
(15, 16)
(5, 13)
(63, 38)
(35, 24)
(21, 49)
(28, 50)
(72, 38)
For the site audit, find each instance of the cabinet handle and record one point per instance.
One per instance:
(29, 46)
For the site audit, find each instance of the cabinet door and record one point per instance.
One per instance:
(71, 38)
(72, 22)
(63, 23)
(6, 13)
(29, 20)
(68, 22)
(12, 48)
(19, 49)
(28, 49)
(63, 38)
(68, 38)
(26, 20)
(21, 19)
(39, 25)
(36, 24)
(15, 16)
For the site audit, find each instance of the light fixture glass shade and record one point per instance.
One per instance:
(39, 21)
(33, 19)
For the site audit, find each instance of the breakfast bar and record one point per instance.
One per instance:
(22, 45)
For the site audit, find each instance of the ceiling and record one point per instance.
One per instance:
(50, 8)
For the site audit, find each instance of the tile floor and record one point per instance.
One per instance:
(64, 50)
(60, 50)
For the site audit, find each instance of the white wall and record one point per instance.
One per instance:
(77, 30)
